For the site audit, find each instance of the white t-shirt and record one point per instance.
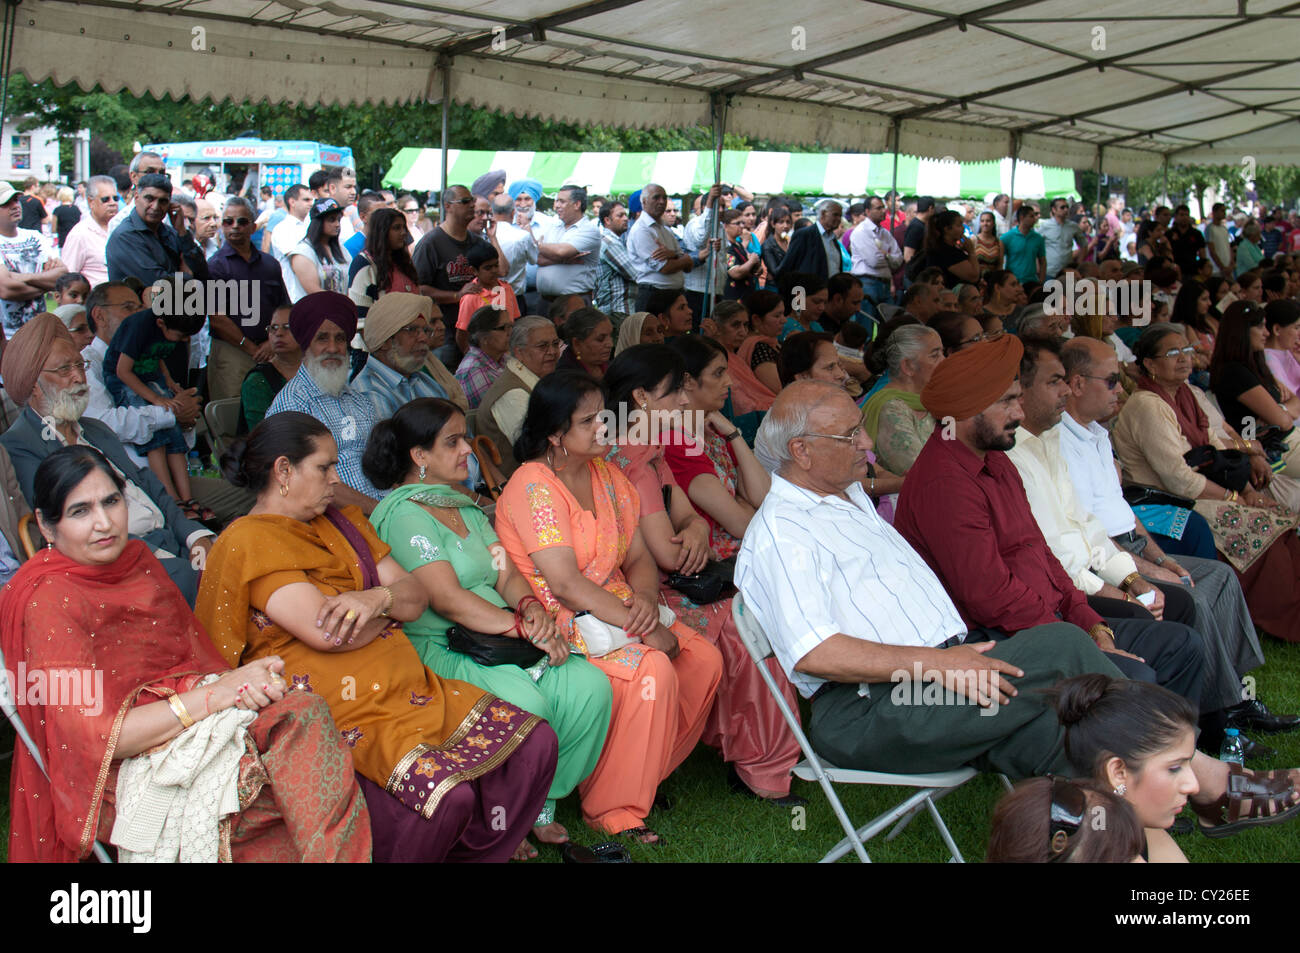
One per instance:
(23, 254)
(1217, 237)
(285, 238)
(333, 275)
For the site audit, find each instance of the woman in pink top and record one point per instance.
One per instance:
(1282, 318)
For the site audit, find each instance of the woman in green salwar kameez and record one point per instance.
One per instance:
(448, 544)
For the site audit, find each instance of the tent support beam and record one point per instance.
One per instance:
(7, 54)
(718, 115)
(1165, 190)
(444, 64)
(1011, 190)
(893, 181)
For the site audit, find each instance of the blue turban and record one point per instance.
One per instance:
(531, 186)
(634, 203)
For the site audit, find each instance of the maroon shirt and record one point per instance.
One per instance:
(970, 520)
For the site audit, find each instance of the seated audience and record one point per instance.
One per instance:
(487, 289)
(709, 458)
(963, 508)
(304, 581)
(810, 355)
(672, 309)
(878, 611)
(956, 330)
(534, 352)
(448, 545)
(489, 332)
(1283, 321)
(644, 387)
(921, 301)
(1158, 427)
(804, 296)
(640, 327)
(1049, 821)
(385, 265)
(1139, 741)
(400, 335)
(160, 675)
(43, 373)
(758, 351)
(1005, 294)
(1250, 398)
(568, 520)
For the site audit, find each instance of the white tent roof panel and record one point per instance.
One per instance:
(838, 73)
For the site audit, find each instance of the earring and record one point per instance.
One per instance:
(423, 471)
(644, 406)
(1122, 789)
(284, 489)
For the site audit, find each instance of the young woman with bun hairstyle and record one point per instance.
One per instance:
(1051, 821)
(1139, 740)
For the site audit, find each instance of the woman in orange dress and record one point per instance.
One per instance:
(449, 771)
(568, 520)
(150, 677)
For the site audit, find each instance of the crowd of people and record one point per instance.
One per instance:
(496, 480)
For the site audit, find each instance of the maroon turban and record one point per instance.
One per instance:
(314, 310)
(26, 353)
(973, 379)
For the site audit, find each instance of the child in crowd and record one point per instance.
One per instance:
(71, 288)
(486, 290)
(136, 374)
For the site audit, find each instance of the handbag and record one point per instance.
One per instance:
(492, 650)
(1228, 468)
(1135, 495)
(710, 584)
(602, 638)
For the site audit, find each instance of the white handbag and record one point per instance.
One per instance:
(602, 638)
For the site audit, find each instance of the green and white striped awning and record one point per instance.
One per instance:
(763, 173)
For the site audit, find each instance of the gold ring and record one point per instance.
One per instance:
(351, 614)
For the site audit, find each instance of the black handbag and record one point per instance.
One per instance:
(1229, 468)
(493, 649)
(710, 584)
(1135, 495)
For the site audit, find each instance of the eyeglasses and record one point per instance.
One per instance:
(412, 210)
(973, 339)
(416, 329)
(276, 328)
(1111, 381)
(847, 437)
(553, 345)
(469, 200)
(65, 370)
(241, 221)
(1069, 804)
(1175, 352)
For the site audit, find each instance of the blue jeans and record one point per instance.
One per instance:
(875, 291)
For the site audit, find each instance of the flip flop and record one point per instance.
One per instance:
(609, 852)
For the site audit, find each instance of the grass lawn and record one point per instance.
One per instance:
(709, 824)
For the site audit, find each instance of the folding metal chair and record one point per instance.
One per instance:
(888, 311)
(222, 417)
(10, 706)
(929, 787)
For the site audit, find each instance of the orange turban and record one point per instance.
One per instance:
(26, 353)
(973, 379)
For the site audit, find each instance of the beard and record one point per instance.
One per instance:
(987, 437)
(407, 363)
(331, 380)
(68, 404)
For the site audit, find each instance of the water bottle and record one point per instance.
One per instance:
(193, 464)
(1232, 748)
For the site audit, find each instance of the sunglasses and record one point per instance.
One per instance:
(241, 221)
(108, 198)
(464, 201)
(1112, 381)
(1069, 804)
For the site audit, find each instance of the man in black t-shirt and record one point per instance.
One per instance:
(914, 237)
(442, 266)
(1187, 242)
(33, 208)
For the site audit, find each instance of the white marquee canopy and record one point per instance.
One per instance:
(1109, 84)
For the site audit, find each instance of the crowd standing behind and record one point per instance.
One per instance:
(508, 458)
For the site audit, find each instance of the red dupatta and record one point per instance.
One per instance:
(120, 629)
(1191, 418)
(748, 393)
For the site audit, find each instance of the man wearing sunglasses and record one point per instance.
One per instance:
(239, 338)
(1065, 240)
(83, 249)
(442, 266)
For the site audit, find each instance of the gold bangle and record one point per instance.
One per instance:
(388, 603)
(1129, 580)
(178, 709)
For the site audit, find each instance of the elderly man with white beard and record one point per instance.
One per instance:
(43, 371)
(323, 323)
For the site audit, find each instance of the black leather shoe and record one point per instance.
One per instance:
(1253, 750)
(740, 787)
(1254, 715)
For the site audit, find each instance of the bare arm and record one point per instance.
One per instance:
(306, 273)
(127, 376)
(1261, 403)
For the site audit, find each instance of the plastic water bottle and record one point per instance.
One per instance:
(1232, 748)
(193, 464)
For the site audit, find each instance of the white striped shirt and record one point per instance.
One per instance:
(812, 566)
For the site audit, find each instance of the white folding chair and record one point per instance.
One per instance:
(888, 311)
(10, 706)
(929, 787)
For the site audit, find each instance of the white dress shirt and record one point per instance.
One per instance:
(642, 238)
(1091, 462)
(1076, 537)
(812, 566)
(875, 252)
(520, 249)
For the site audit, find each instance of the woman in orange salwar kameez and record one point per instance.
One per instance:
(569, 522)
(644, 387)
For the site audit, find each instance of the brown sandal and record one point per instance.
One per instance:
(1272, 798)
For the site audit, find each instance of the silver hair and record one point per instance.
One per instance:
(135, 161)
(786, 420)
(95, 181)
(525, 326)
(906, 344)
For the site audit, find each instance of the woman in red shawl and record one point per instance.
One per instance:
(95, 618)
